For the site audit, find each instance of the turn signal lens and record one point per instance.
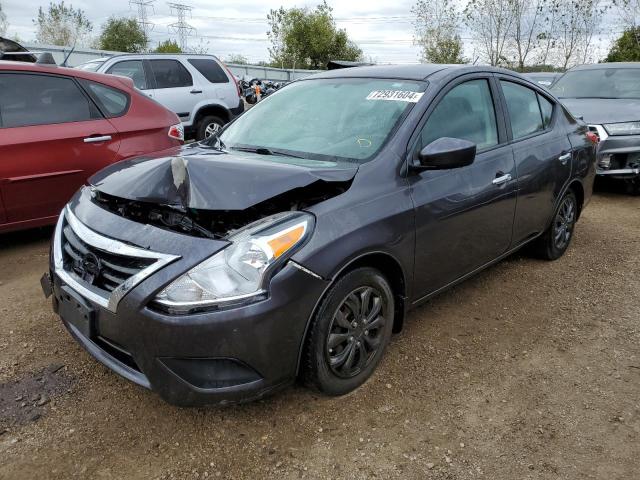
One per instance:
(286, 240)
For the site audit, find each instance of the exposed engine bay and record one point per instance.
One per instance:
(216, 224)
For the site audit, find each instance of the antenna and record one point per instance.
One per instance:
(64, 62)
(181, 27)
(141, 6)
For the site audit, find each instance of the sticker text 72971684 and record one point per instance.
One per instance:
(395, 95)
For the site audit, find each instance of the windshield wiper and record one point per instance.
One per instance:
(266, 151)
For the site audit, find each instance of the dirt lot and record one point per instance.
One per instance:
(530, 370)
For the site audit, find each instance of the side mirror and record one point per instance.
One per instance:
(446, 153)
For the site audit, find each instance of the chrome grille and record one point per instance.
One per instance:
(113, 270)
(100, 268)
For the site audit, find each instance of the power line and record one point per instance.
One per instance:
(181, 27)
(143, 21)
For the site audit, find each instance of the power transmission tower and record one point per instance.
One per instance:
(143, 20)
(181, 27)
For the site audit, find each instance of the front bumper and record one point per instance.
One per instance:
(618, 156)
(223, 356)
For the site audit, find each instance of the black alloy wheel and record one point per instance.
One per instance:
(564, 222)
(348, 334)
(552, 244)
(356, 332)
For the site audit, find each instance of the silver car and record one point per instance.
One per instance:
(198, 88)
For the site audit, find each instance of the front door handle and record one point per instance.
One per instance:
(564, 158)
(502, 179)
(103, 138)
(195, 91)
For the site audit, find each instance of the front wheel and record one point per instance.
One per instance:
(349, 333)
(555, 241)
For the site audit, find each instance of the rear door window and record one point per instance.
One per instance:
(132, 69)
(28, 99)
(170, 74)
(111, 101)
(524, 110)
(210, 69)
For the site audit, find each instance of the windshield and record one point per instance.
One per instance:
(325, 120)
(599, 83)
(90, 66)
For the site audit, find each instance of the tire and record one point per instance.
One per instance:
(335, 331)
(552, 244)
(206, 123)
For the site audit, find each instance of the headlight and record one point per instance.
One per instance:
(240, 272)
(627, 128)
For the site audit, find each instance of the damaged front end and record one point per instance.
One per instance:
(257, 208)
(618, 156)
(212, 196)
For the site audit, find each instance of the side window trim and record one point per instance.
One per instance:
(497, 105)
(502, 77)
(151, 78)
(553, 112)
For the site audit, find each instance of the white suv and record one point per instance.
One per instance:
(198, 88)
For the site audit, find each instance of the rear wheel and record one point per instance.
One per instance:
(208, 126)
(349, 333)
(555, 241)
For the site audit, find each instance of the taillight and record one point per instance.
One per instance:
(234, 79)
(177, 132)
(593, 137)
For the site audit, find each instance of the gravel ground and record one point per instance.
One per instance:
(530, 370)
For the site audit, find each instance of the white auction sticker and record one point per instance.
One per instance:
(395, 95)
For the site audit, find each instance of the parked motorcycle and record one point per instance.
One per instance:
(255, 89)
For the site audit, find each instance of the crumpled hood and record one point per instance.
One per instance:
(207, 179)
(598, 111)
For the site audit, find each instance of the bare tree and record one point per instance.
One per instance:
(3, 22)
(436, 25)
(578, 22)
(628, 13)
(525, 34)
(592, 13)
(491, 23)
(62, 24)
(547, 36)
(569, 30)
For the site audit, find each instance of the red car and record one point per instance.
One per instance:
(58, 126)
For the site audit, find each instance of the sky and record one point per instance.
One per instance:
(382, 29)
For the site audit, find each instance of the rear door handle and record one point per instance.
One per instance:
(502, 179)
(103, 138)
(195, 91)
(564, 158)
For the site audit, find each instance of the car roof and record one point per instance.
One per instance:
(112, 80)
(407, 72)
(155, 54)
(600, 66)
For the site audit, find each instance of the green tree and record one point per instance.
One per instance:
(62, 25)
(168, 46)
(436, 25)
(122, 35)
(304, 38)
(626, 48)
